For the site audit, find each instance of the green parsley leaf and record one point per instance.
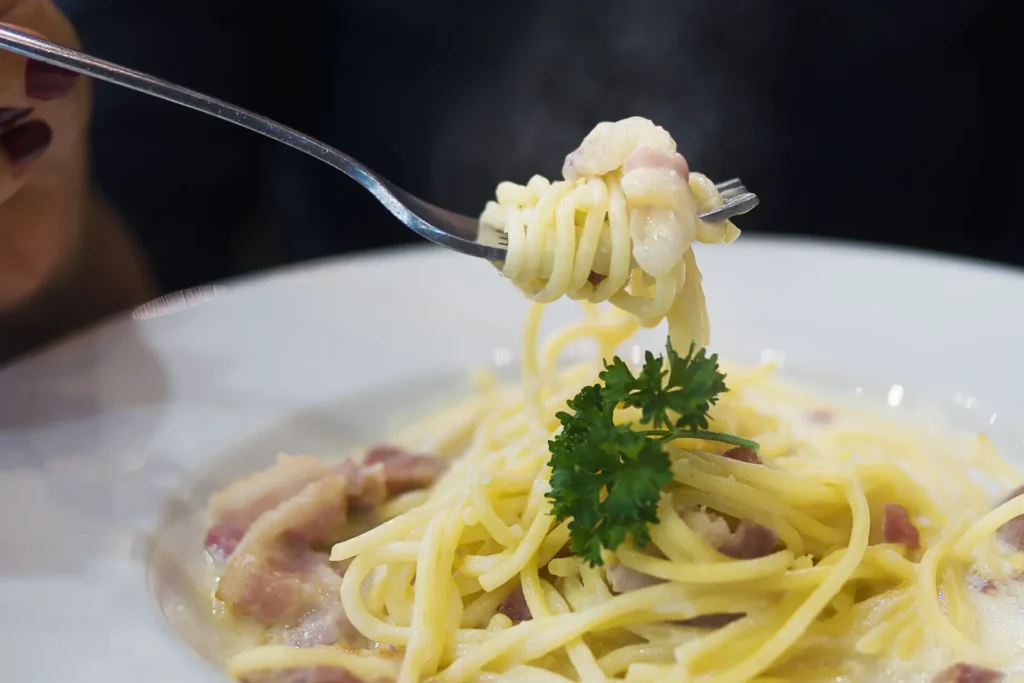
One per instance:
(607, 478)
(694, 383)
(618, 381)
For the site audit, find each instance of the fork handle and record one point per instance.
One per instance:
(50, 53)
(394, 200)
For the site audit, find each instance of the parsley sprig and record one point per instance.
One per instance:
(607, 477)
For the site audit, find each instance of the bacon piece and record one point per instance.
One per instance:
(240, 504)
(309, 674)
(280, 586)
(820, 416)
(1013, 531)
(367, 485)
(606, 147)
(243, 501)
(514, 606)
(968, 673)
(714, 620)
(749, 541)
(406, 471)
(897, 527)
(222, 539)
(743, 455)
(649, 157)
(623, 579)
(273, 576)
(266, 525)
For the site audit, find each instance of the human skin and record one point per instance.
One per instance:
(65, 259)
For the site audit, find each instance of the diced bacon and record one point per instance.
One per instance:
(367, 485)
(1013, 531)
(897, 527)
(280, 587)
(606, 147)
(623, 579)
(273, 576)
(715, 620)
(514, 606)
(267, 525)
(222, 539)
(306, 518)
(243, 501)
(968, 673)
(820, 416)
(649, 157)
(238, 506)
(743, 455)
(406, 471)
(749, 541)
(309, 674)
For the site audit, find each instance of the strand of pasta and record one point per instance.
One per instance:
(532, 639)
(537, 599)
(430, 580)
(736, 571)
(274, 657)
(928, 601)
(677, 540)
(740, 509)
(798, 622)
(771, 504)
(987, 525)
(560, 233)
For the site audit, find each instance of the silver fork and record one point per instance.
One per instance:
(452, 230)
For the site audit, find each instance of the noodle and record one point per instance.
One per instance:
(627, 213)
(834, 597)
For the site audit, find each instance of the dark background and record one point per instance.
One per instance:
(883, 121)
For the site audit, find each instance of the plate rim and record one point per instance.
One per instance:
(180, 659)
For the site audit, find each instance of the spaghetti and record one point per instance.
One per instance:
(850, 547)
(618, 228)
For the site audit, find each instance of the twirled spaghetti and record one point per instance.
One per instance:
(849, 547)
(618, 228)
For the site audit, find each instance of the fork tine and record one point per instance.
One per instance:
(731, 208)
(731, 188)
(734, 192)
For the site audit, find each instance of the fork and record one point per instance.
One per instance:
(446, 228)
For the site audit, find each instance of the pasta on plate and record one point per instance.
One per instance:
(659, 520)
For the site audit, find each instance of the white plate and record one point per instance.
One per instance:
(110, 442)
